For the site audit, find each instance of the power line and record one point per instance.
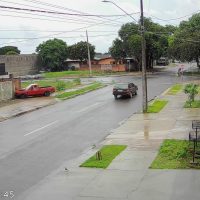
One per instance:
(62, 37)
(46, 31)
(58, 13)
(49, 18)
(53, 35)
(64, 8)
(173, 19)
(21, 4)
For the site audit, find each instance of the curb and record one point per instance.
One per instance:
(25, 112)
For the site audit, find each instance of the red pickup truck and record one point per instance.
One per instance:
(34, 90)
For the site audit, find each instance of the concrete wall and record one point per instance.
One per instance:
(6, 90)
(20, 65)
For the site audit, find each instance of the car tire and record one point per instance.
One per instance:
(46, 94)
(23, 96)
(136, 93)
(115, 97)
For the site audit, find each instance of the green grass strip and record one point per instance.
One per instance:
(53, 83)
(157, 106)
(175, 89)
(70, 94)
(78, 73)
(174, 154)
(108, 152)
(194, 104)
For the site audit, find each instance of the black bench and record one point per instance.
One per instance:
(194, 137)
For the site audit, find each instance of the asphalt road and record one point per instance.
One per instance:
(35, 144)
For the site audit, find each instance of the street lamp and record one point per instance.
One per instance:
(144, 78)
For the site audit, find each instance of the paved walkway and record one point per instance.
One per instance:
(129, 176)
(22, 106)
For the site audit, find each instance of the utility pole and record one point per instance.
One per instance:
(89, 60)
(144, 77)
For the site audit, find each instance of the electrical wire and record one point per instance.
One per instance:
(51, 18)
(59, 13)
(53, 35)
(46, 31)
(103, 35)
(174, 19)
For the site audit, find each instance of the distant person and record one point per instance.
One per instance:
(179, 71)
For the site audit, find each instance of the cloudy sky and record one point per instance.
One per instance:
(26, 29)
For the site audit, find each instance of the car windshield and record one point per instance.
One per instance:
(121, 86)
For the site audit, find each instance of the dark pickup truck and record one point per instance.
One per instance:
(34, 90)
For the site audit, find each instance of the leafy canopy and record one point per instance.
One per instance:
(184, 45)
(53, 53)
(79, 51)
(9, 50)
(129, 42)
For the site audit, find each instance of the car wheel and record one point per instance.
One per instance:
(136, 93)
(23, 96)
(46, 94)
(115, 96)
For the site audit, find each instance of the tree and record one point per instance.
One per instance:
(53, 53)
(117, 50)
(184, 45)
(129, 42)
(4, 50)
(79, 51)
(11, 53)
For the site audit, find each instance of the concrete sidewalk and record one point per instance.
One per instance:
(18, 107)
(22, 106)
(129, 176)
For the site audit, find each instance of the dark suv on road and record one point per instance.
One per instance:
(125, 89)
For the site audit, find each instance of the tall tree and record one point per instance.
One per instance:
(129, 43)
(53, 53)
(184, 45)
(4, 50)
(79, 51)
(117, 50)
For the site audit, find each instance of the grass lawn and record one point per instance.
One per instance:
(174, 154)
(79, 73)
(175, 89)
(108, 152)
(67, 95)
(157, 106)
(194, 104)
(53, 82)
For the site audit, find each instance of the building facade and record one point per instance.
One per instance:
(20, 65)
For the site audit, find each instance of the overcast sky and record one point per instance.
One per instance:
(102, 30)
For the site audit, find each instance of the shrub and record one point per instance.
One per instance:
(77, 81)
(60, 85)
(192, 91)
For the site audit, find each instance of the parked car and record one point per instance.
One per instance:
(34, 90)
(163, 61)
(125, 89)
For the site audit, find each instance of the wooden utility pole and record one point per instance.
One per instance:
(144, 77)
(89, 60)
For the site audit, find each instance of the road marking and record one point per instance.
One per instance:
(89, 107)
(41, 128)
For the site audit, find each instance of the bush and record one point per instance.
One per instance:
(192, 91)
(77, 81)
(60, 85)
